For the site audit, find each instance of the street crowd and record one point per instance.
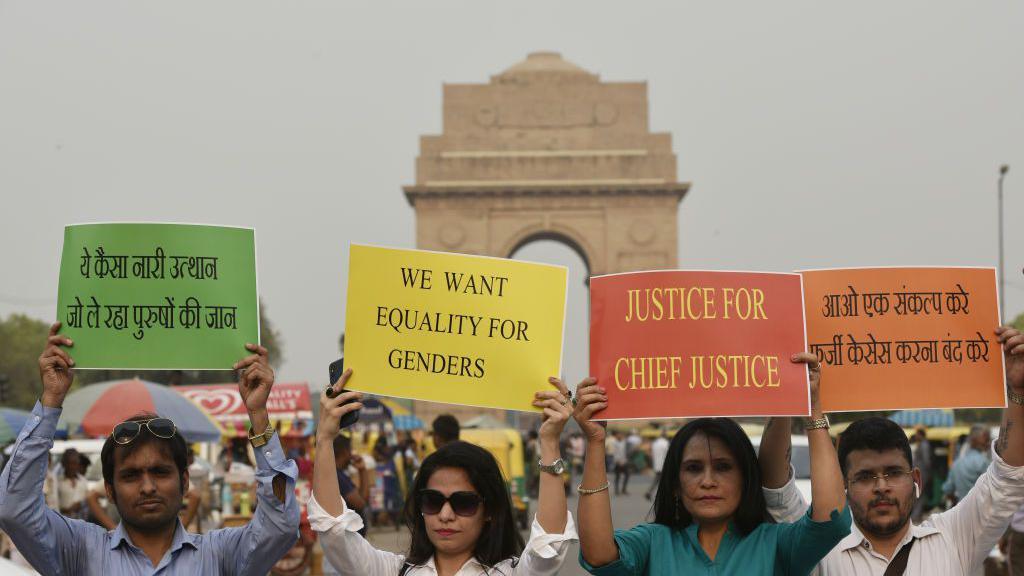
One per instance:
(719, 505)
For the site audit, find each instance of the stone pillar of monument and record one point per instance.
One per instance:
(546, 150)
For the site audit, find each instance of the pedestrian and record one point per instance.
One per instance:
(145, 474)
(710, 516)
(659, 449)
(621, 462)
(459, 511)
(970, 465)
(882, 485)
(922, 461)
(72, 488)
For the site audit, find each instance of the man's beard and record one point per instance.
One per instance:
(860, 516)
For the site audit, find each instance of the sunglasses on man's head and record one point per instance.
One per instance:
(463, 503)
(125, 432)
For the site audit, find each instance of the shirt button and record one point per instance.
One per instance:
(36, 418)
(867, 546)
(267, 452)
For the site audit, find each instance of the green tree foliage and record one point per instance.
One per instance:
(22, 340)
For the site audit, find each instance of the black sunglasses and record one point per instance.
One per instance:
(463, 503)
(125, 432)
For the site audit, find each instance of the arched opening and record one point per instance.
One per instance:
(553, 249)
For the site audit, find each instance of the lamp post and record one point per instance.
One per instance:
(1002, 287)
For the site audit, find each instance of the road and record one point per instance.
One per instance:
(627, 511)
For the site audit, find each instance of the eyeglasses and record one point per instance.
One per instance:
(463, 503)
(125, 432)
(867, 480)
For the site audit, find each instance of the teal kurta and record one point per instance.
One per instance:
(783, 549)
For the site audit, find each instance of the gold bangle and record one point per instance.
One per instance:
(584, 491)
(816, 424)
(1014, 397)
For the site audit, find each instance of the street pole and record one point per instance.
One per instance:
(1002, 286)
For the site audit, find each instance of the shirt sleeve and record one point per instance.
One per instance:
(980, 518)
(634, 551)
(52, 543)
(545, 553)
(802, 544)
(274, 528)
(786, 504)
(345, 548)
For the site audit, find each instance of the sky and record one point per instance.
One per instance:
(814, 134)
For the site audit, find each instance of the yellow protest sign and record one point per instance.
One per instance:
(468, 330)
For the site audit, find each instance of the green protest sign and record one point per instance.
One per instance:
(158, 296)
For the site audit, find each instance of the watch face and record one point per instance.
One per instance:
(559, 466)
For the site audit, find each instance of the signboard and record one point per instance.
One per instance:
(694, 343)
(468, 330)
(899, 338)
(158, 296)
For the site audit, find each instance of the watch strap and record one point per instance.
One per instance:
(258, 440)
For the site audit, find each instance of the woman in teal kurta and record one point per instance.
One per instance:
(710, 515)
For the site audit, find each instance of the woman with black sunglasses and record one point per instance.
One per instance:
(459, 510)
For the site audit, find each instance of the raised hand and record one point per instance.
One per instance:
(814, 370)
(1013, 350)
(255, 379)
(557, 409)
(590, 398)
(332, 409)
(56, 368)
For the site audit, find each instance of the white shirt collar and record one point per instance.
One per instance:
(856, 538)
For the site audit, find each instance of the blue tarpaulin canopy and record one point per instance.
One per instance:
(929, 417)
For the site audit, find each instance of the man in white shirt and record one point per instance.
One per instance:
(659, 449)
(882, 487)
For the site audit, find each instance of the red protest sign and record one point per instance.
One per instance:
(695, 343)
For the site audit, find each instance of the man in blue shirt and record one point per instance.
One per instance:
(145, 475)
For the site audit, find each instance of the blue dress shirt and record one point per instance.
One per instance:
(60, 546)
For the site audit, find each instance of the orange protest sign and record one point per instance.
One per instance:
(898, 338)
(695, 343)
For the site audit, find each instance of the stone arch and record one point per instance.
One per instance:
(568, 238)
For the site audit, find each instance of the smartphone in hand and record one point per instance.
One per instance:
(334, 373)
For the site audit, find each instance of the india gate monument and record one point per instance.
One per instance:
(547, 151)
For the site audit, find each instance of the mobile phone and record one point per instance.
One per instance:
(334, 372)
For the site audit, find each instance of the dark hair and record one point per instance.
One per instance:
(752, 511)
(342, 443)
(499, 539)
(175, 445)
(873, 433)
(446, 429)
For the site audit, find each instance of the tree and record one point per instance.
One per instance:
(21, 340)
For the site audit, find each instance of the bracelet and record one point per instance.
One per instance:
(1014, 397)
(817, 423)
(584, 491)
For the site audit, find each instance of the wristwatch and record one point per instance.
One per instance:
(259, 440)
(556, 467)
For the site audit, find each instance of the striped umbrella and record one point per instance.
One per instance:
(11, 421)
(97, 408)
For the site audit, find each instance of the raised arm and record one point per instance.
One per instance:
(775, 452)
(50, 542)
(1010, 445)
(975, 524)
(828, 492)
(338, 525)
(594, 513)
(256, 547)
(552, 509)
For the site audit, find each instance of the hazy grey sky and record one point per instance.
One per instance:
(814, 133)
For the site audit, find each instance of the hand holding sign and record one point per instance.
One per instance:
(1013, 347)
(55, 368)
(557, 410)
(333, 408)
(590, 399)
(255, 378)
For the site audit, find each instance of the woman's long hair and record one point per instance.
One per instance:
(668, 505)
(499, 539)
